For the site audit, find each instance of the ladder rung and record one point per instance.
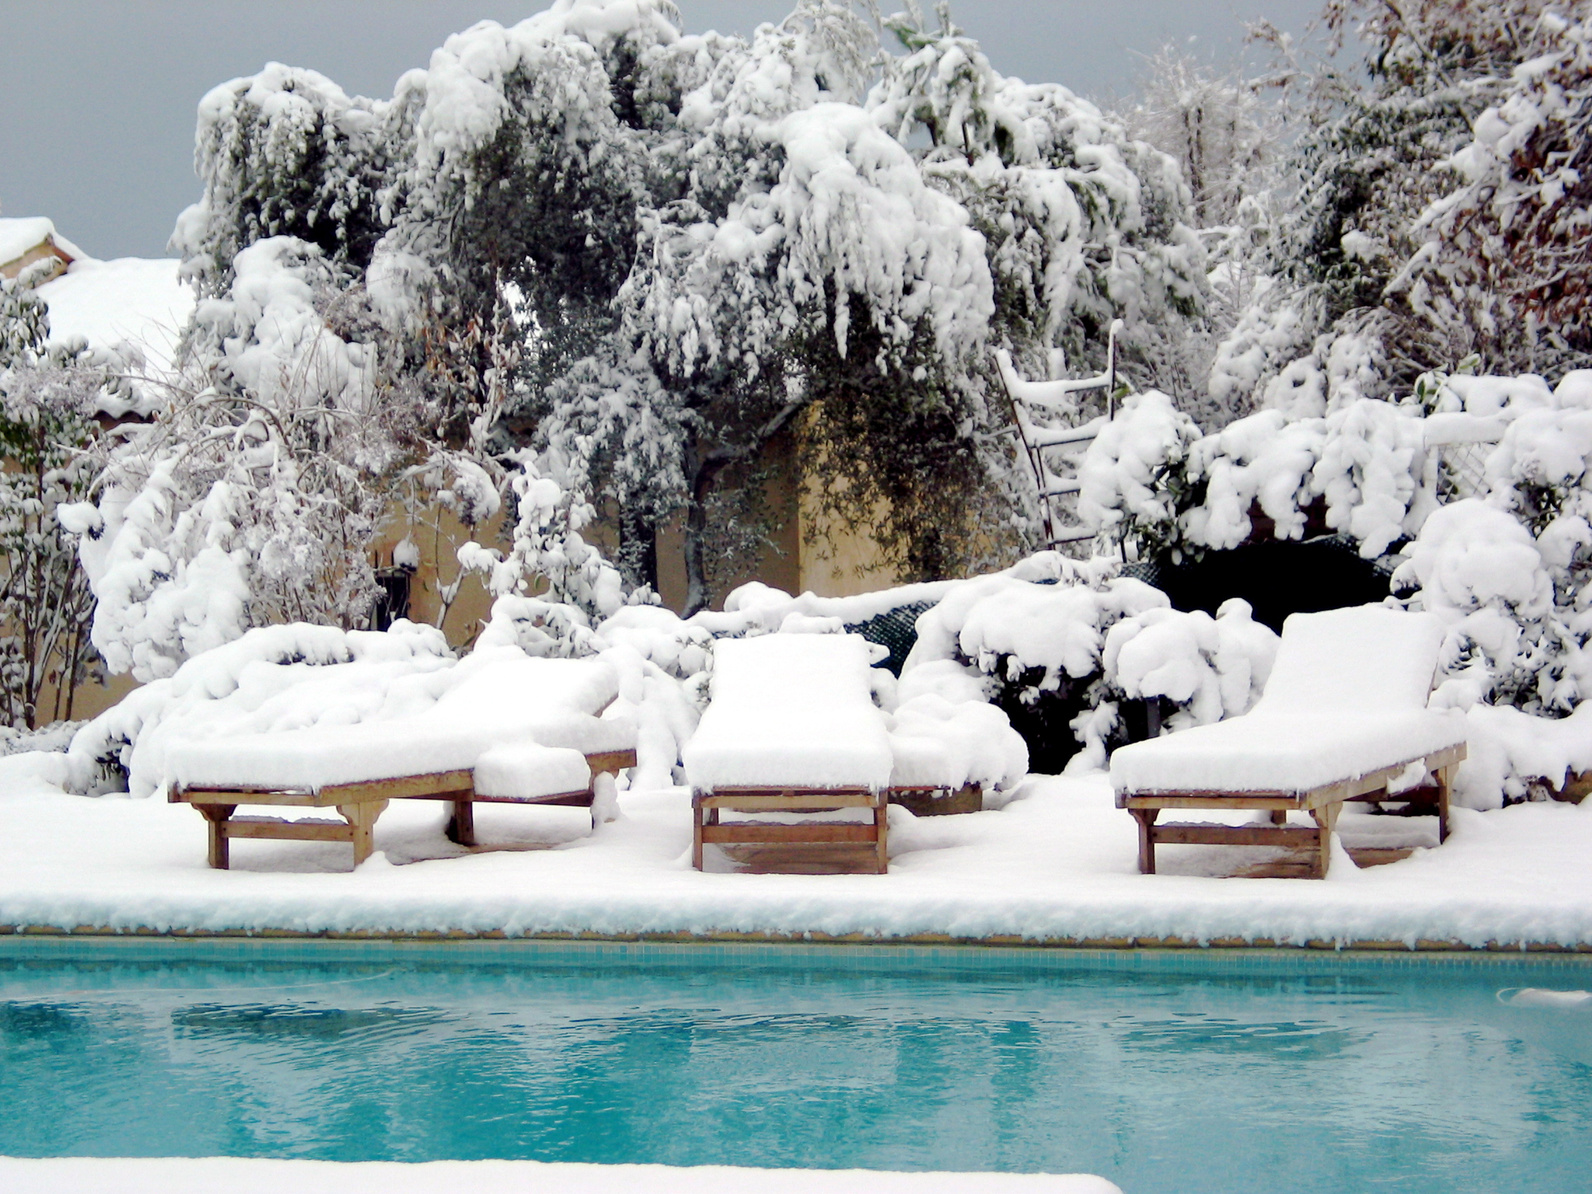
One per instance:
(1054, 438)
(1075, 535)
(1063, 488)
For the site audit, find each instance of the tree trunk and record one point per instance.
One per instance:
(704, 474)
(638, 549)
(697, 594)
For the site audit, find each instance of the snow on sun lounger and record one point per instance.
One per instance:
(529, 726)
(553, 702)
(792, 728)
(1344, 712)
(790, 710)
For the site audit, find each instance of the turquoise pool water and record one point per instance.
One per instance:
(1178, 1073)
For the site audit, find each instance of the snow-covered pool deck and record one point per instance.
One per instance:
(1056, 866)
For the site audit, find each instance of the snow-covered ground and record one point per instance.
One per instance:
(1058, 863)
(78, 1175)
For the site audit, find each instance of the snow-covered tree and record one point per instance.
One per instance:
(287, 153)
(1225, 130)
(1082, 223)
(1222, 128)
(1379, 257)
(253, 495)
(1503, 267)
(47, 401)
(643, 255)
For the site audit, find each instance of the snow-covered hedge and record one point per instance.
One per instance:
(1505, 569)
(1078, 638)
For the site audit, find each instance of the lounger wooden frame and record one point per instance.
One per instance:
(1322, 803)
(708, 828)
(360, 804)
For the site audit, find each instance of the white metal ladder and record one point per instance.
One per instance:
(1039, 409)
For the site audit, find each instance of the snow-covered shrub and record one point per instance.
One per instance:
(53, 738)
(1134, 479)
(1147, 477)
(1209, 668)
(542, 629)
(1480, 571)
(1273, 327)
(1513, 756)
(942, 707)
(548, 545)
(1060, 657)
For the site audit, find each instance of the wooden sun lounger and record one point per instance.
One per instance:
(1323, 804)
(1348, 692)
(360, 804)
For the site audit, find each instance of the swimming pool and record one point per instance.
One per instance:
(1164, 1071)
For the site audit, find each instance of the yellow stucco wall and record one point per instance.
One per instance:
(810, 553)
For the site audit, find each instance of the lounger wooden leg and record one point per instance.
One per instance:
(361, 818)
(461, 822)
(881, 825)
(216, 817)
(1445, 781)
(696, 835)
(1326, 818)
(1146, 819)
(1279, 816)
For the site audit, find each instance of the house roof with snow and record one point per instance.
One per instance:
(26, 241)
(131, 302)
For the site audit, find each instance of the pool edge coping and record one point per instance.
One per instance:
(1315, 946)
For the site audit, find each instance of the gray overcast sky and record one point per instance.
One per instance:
(97, 97)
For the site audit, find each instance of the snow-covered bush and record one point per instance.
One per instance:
(1060, 652)
(1134, 477)
(1480, 571)
(1148, 478)
(547, 544)
(1209, 668)
(1512, 756)
(1506, 570)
